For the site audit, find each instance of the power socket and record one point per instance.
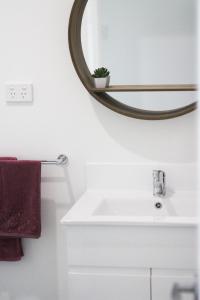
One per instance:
(11, 92)
(19, 92)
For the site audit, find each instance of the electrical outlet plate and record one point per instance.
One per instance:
(19, 92)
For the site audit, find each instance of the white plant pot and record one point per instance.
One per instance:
(101, 83)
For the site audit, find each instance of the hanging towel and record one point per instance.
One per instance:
(10, 248)
(20, 214)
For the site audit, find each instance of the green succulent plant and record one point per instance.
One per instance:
(101, 73)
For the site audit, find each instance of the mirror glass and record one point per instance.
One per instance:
(143, 42)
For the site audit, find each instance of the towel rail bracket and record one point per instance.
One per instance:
(62, 159)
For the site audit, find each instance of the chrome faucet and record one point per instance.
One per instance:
(159, 189)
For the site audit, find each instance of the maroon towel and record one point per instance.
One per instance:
(10, 248)
(20, 199)
(19, 205)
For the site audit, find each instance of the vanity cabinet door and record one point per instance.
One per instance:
(109, 284)
(162, 283)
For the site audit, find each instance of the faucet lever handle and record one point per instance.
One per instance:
(159, 183)
(158, 173)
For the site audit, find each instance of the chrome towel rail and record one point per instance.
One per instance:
(62, 159)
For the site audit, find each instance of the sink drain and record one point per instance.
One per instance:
(158, 205)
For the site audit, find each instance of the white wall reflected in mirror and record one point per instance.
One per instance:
(144, 42)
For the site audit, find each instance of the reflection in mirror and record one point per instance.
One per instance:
(143, 42)
(157, 101)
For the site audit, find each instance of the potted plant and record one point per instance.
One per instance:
(101, 77)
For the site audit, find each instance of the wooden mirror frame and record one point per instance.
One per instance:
(75, 45)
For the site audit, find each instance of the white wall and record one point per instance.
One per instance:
(64, 119)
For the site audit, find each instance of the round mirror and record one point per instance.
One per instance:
(149, 47)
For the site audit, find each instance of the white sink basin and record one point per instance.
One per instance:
(144, 207)
(130, 207)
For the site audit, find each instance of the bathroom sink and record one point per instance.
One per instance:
(127, 227)
(130, 207)
(116, 223)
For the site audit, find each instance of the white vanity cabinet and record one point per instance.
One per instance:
(109, 284)
(127, 284)
(129, 262)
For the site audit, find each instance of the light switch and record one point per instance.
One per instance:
(19, 92)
